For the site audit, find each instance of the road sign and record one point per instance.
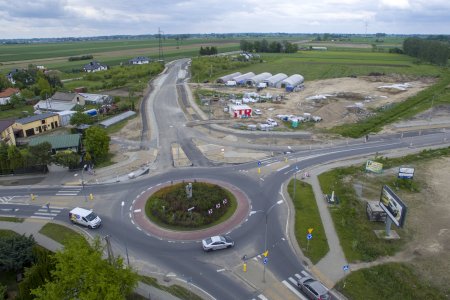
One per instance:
(296, 168)
(266, 253)
(345, 268)
(310, 230)
(265, 260)
(259, 163)
(309, 236)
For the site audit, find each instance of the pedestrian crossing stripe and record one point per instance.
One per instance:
(45, 214)
(294, 289)
(261, 296)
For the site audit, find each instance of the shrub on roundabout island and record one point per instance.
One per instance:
(171, 207)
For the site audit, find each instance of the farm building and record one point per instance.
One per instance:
(116, 119)
(228, 77)
(59, 142)
(292, 81)
(240, 111)
(253, 81)
(65, 116)
(36, 124)
(94, 66)
(96, 98)
(275, 80)
(319, 48)
(140, 60)
(241, 79)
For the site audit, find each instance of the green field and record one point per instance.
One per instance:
(315, 65)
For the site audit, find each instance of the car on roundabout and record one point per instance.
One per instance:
(313, 288)
(217, 242)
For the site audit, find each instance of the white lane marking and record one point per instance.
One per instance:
(305, 273)
(220, 270)
(298, 276)
(137, 210)
(261, 179)
(66, 194)
(292, 280)
(54, 207)
(282, 168)
(261, 296)
(294, 290)
(40, 217)
(45, 214)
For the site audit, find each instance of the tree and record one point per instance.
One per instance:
(41, 153)
(15, 157)
(16, 251)
(81, 273)
(79, 118)
(4, 83)
(68, 159)
(4, 161)
(96, 143)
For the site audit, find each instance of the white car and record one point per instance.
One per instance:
(217, 242)
(271, 122)
(257, 112)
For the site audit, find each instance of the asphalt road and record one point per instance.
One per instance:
(186, 259)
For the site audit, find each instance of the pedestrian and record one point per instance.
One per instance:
(48, 206)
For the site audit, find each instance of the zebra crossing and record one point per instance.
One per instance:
(46, 212)
(69, 191)
(6, 199)
(291, 284)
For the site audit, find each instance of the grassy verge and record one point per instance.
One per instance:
(355, 232)
(387, 281)
(118, 126)
(11, 219)
(176, 290)
(60, 233)
(307, 216)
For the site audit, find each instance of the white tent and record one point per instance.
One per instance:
(292, 81)
(275, 80)
(253, 81)
(228, 77)
(242, 78)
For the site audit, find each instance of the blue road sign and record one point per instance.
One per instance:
(296, 168)
(265, 260)
(345, 268)
(259, 163)
(309, 236)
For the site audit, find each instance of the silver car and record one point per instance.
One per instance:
(313, 288)
(217, 242)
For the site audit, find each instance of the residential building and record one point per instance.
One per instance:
(59, 142)
(140, 60)
(6, 94)
(94, 66)
(7, 132)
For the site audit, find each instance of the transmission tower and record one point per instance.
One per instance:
(161, 53)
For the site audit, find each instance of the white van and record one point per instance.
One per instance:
(84, 217)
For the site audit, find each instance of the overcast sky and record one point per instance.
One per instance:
(61, 18)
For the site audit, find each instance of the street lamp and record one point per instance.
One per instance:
(126, 247)
(265, 234)
(82, 182)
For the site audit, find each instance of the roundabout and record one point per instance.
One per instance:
(143, 222)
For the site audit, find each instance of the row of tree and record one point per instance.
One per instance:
(208, 50)
(432, 51)
(265, 46)
(76, 272)
(82, 57)
(96, 144)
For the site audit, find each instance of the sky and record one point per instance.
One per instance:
(80, 18)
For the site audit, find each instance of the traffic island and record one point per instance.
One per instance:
(197, 219)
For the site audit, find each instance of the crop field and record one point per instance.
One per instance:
(55, 55)
(315, 65)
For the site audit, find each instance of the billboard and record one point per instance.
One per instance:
(393, 206)
(374, 166)
(405, 173)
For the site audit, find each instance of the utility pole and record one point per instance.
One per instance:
(109, 249)
(160, 48)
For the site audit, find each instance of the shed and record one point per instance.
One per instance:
(240, 111)
(240, 79)
(275, 80)
(116, 119)
(65, 116)
(292, 81)
(253, 81)
(59, 142)
(52, 105)
(96, 98)
(228, 77)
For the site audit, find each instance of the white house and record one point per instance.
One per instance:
(65, 116)
(5, 95)
(140, 60)
(94, 66)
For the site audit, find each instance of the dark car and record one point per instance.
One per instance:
(313, 288)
